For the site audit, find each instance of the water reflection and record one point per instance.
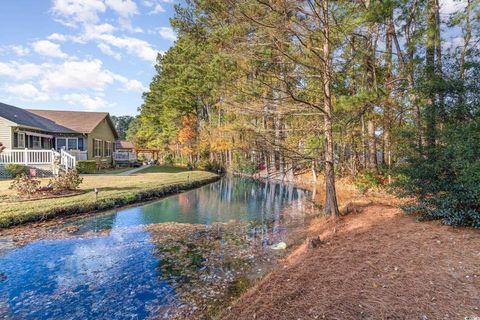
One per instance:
(113, 271)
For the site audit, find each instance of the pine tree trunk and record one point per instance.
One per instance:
(331, 205)
(387, 112)
(372, 146)
(431, 112)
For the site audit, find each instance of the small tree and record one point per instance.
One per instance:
(24, 185)
(66, 181)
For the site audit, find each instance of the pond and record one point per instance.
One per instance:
(180, 257)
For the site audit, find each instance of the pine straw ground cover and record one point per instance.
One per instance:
(114, 191)
(375, 264)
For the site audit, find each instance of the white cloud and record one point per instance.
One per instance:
(134, 46)
(126, 24)
(86, 13)
(124, 8)
(48, 49)
(92, 31)
(77, 82)
(167, 33)
(26, 91)
(85, 100)
(20, 50)
(20, 71)
(80, 11)
(129, 84)
(157, 9)
(57, 37)
(106, 49)
(86, 74)
(135, 86)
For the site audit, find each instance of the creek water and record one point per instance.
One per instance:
(107, 265)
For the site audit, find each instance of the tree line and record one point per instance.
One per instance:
(331, 87)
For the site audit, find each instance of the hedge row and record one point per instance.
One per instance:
(106, 204)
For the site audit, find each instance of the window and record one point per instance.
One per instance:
(72, 143)
(61, 143)
(97, 148)
(67, 143)
(46, 143)
(19, 140)
(36, 142)
(81, 144)
(107, 149)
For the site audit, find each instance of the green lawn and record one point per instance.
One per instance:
(163, 169)
(114, 191)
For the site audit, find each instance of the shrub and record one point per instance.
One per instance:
(169, 160)
(66, 181)
(243, 165)
(15, 170)
(211, 166)
(445, 179)
(368, 180)
(24, 185)
(87, 166)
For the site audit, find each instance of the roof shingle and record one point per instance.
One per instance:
(26, 118)
(83, 122)
(122, 144)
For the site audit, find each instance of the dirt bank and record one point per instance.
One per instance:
(373, 264)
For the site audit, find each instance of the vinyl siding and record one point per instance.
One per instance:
(6, 133)
(102, 132)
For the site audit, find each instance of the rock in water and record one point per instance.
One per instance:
(279, 246)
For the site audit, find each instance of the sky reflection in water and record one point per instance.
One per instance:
(115, 276)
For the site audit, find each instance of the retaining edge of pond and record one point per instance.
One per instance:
(114, 203)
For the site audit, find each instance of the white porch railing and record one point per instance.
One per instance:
(38, 157)
(79, 155)
(26, 157)
(67, 160)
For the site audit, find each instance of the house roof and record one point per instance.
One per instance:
(78, 121)
(26, 118)
(122, 144)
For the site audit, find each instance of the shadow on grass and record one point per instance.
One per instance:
(162, 169)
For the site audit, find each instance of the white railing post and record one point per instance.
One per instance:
(25, 157)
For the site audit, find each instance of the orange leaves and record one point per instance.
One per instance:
(188, 133)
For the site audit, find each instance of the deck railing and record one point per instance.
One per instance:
(30, 157)
(26, 157)
(79, 155)
(67, 160)
(124, 156)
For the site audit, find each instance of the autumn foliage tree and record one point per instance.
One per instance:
(364, 88)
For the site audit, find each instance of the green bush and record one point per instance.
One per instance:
(15, 170)
(66, 181)
(368, 180)
(24, 185)
(243, 165)
(445, 179)
(211, 166)
(87, 166)
(169, 160)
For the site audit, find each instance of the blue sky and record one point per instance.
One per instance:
(87, 55)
